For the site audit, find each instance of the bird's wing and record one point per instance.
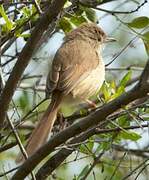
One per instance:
(73, 62)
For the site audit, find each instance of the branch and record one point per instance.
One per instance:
(137, 152)
(90, 121)
(93, 4)
(60, 156)
(26, 55)
(11, 34)
(7, 172)
(122, 50)
(16, 135)
(96, 161)
(7, 146)
(37, 7)
(135, 169)
(121, 12)
(144, 80)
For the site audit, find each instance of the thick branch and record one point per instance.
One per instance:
(144, 80)
(25, 56)
(60, 156)
(77, 128)
(7, 146)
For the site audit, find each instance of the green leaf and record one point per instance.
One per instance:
(106, 91)
(146, 118)
(119, 91)
(25, 35)
(90, 144)
(91, 14)
(24, 102)
(9, 24)
(77, 20)
(145, 38)
(65, 25)
(105, 146)
(110, 91)
(83, 172)
(123, 121)
(4, 29)
(88, 147)
(26, 11)
(125, 79)
(113, 85)
(139, 22)
(129, 135)
(34, 9)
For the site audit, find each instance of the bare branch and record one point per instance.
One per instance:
(37, 7)
(60, 156)
(144, 81)
(25, 56)
(121, 12)
(7, 146)
(135, 169)
(7, 172)
(77, 128)
(93, 4)
(96, 161)
(16, 135)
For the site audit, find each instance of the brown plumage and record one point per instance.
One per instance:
(77, 73)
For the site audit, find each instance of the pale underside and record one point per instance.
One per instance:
(77, 73)
(87, 87)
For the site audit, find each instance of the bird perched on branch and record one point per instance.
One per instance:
(77, 73)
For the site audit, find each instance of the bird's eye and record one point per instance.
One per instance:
(99, 38)
(98, 35)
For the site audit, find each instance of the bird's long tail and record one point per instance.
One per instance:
(44, 127)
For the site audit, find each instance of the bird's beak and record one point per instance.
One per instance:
(110, 39)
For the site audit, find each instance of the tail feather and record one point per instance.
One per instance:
(41, 132)
(44, 127)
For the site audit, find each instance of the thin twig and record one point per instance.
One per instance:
(96, 161)
(135, 169)
(100, 131)
(122, 50)
(125, 68)
(26, 54)
(116, 168)
(7, 172)
(141, 171)
(37, 6)
(7, 146)
(18, 140)
(121, 12)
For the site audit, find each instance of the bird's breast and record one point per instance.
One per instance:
(84, 89)
(91, 84)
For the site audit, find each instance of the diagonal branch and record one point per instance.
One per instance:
(144, 80)
(93, 4)
(60, 156)
(25, 56)
(90, 121)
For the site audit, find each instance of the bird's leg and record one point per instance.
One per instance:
(91, 104)
(61, 120)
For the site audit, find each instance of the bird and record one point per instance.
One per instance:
(76, 74)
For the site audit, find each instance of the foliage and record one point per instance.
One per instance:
(104, 154)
